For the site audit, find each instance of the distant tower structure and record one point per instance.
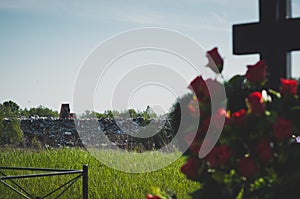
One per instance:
(64, 111)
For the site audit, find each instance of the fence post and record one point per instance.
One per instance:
(85, 182)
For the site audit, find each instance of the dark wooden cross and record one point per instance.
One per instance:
(273, 37)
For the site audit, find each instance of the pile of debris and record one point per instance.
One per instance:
(102, 133)
(50, 132)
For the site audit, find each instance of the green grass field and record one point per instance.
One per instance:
(104, 182)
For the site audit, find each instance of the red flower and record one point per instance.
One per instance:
(224, 154)
(256, 103)
(219, 156)
(219, 119)
(247, 167)
(194, 109)
(193, 106)
(205, 89)
(211, 158)
(150, 196)
(264, 150)
(199, 87)
(215, 61)
(282, 129)
(288, 86)
(190, 168)
(239, 118)
(256, 73)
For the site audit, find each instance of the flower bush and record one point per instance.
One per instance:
(258, 152)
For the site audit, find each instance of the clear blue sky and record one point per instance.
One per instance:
(43, 43)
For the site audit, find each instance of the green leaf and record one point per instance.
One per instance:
(296, 108)
(241, 193)
(274, 93)
(271, 117)
(219, 176)
(237, 79)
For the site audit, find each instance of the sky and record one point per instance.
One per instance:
(44, 44)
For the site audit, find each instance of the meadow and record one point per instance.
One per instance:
(104, 182)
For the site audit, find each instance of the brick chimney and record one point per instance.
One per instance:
(64, 111)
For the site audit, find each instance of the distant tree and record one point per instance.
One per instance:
(40, 111)
(115, 113)
(150, 113)
(1, 122)
(13, 107)
(99, 115)
(108, 114)
(10, 130)
(132, 113)
(147, 114)
(89, 114)
(25, 113)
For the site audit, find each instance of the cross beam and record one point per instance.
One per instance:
(273, 37)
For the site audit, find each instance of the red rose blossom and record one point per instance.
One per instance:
(211, 158)
(256, 73)
(199, 87)
(219, 156)
(194, 109)
(264, 150)
(219, 119)
(193, 106)
(190, 168)
(288, 86)
(239, 118)
(282, 129)
(215, 61)
(247, 167)
(150, 196)
(256, 103)
(224, 154)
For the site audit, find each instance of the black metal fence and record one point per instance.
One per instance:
(14, 186)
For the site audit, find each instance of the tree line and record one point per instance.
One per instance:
(132, 113)
(13, 109)
(10, 112)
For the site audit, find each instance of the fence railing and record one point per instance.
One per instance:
(14, 186)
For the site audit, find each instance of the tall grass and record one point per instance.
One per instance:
(104, 182)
